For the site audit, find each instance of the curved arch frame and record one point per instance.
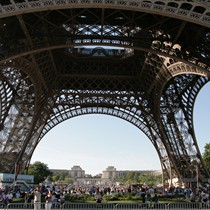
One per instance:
(137, 5)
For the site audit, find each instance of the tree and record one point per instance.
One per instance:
(55, 177)
(139, 178)
(206, 156)
(69, 180)
(40, 171)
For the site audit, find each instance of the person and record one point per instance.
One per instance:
(9, 196)
(62, 199)
(155, 201)
(149, 200)
(37, 199)
(98, 197)
(155, 198)
(143, 195)
(148, 197)
(204, 199)
(48, 201)
(192, 196)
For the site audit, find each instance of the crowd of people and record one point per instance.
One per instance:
(36, 196)
(55, 194)
(50, 198)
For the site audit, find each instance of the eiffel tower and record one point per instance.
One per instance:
(142, 61)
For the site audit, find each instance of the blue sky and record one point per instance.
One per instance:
(95, 142)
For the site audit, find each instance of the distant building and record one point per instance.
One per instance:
(76, 172)
(111, 173)
(59, 170)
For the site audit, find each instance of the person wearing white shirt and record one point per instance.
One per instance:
(37, 199)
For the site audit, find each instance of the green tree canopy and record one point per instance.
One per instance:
(206, 156)
(40, 171)
(55, 177)
(69, 180)
(139, 178)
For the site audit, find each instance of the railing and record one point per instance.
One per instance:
(111, 206)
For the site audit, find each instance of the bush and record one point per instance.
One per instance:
(18, 200)
(112, 197)
(119, 197)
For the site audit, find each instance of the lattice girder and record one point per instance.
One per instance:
(20, 105)
(140, 69)
(123, 28)
(5, 98)
(122, 104)
(177, 118)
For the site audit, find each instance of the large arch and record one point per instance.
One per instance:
(94, 142)
(145, 68)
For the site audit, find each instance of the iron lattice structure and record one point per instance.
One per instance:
(142, 61)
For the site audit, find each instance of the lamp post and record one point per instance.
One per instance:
(171, 176)
(197, 176)
(14, 187)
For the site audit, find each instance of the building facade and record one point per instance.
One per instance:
(110, 173)
(77, 172)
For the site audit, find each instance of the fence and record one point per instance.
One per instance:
(110, 206)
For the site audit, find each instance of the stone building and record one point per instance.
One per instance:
(76, 172)
(111, 173)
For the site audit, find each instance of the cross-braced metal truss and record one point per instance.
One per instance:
(142, 61)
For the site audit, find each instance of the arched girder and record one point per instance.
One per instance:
(69, 104)
(163, 74)
(128, 106)
(198, 67)
(150, 121)
(178, 68)
(20, 102)
(169, 8)
(177, 119)
(129, 33)
(119, 112)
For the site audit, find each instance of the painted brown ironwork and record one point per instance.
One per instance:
(142, 61)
